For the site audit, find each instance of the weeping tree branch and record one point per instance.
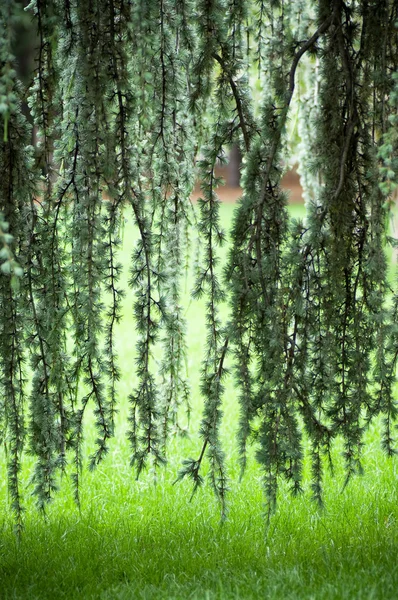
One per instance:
(312, 332)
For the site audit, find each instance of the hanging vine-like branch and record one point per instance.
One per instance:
(131, 103)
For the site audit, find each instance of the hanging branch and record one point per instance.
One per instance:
(18, 183)
(160, 210)
(383, 37)
(85, 123)
(213, 370)
(175, 156)
(126, 97)
(228, 94)
(118, 181)
(46, 278)
(345, 238)
(261, 309)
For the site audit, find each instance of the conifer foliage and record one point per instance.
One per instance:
(131, 102)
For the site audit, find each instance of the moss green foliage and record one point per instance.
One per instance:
(131, 101)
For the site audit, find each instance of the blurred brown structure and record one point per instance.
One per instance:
(231, 190)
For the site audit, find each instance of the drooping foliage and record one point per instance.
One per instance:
(131, 102)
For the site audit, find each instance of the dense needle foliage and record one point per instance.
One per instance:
(131, 102)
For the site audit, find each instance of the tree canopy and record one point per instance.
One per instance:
(131, 102)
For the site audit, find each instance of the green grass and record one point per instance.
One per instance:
(141, 540)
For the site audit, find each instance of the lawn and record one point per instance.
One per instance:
(144, 539)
